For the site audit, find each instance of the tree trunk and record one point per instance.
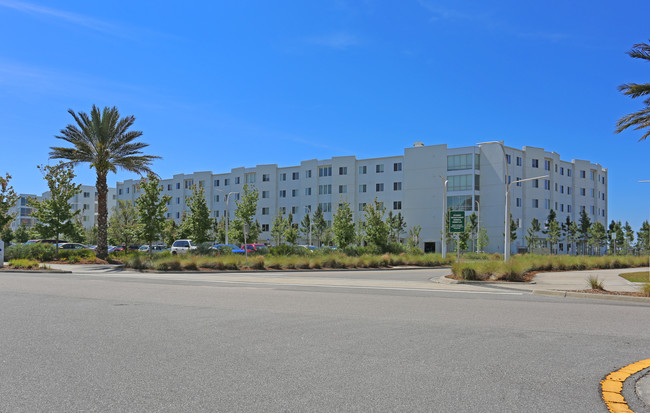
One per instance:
(102, 216)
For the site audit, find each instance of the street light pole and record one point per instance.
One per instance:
(506, 254)
(227, 196)
(444, 216)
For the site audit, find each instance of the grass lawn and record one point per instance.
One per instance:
(637, 277)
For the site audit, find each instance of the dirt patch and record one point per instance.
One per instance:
(605, 292)
(81, 261)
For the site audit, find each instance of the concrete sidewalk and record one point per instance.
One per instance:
(577, 280)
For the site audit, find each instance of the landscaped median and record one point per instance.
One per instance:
(335, 260)
(521, 266)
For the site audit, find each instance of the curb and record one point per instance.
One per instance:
(274, 271)
(35, 271)
(445, 280)
(607, 297)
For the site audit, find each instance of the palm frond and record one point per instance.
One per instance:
(640, 51)
(637, 120)
(635, 90)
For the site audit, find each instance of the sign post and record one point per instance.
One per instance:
(457, 226)
(2, 253)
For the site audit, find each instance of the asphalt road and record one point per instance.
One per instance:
(111, 342)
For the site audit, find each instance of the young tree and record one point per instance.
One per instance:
(513, 229)
(103, 140)
(90, 236)
(291, 233)
(305, 227)
(533, 229)
(198, 220)
(472, 227)
(123, 224)
(245, 214)
(219, 228)
(397, 226)
(597, 235)
(553, 230)
(483, 239)
(8, 199)
(640, 119)
(151, 209)
(629, 236)
(414, 236)
(22, 234)
(376, 227)
(54, 216)
(7, 235)
(643, 237)
(279, 228)
(319, 225)
(169, 232)
(360, 233)
(343, 225)
(584, 225)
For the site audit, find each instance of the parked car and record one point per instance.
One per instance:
(154, 248)
(225, 248)
(181, 246)
(257, 248)
(73, 246)
(45, 241)
(310, 248)
(112, 248)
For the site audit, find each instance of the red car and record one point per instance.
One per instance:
(255, 247)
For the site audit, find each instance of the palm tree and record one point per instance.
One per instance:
(640, 119)
(104, 141)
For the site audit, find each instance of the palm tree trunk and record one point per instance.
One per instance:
(102, 216)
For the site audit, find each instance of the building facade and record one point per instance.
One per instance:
(85, 202)
(411, 184)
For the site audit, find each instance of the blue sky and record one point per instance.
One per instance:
(222, 84)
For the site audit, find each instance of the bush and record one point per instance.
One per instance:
(594, 283)
(23, 263)
(40, 252)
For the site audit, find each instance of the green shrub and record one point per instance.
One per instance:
(40, 252)
(23, 263)
(594, 283)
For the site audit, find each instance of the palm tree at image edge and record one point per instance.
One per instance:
(641, 118)
(103, 140)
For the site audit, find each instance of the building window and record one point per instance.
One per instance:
(518, 160)
(266, 177)
(86, 194)
(518, 202)
(379, 187)
(460, 182)
(508, 159)
(283, 210)
(169, 187)
(265, 211)
(216, 214)
(397, 204)
(127, 189)
(283, 193)
(547, 164)
(547, 204)
(397, 186)
(561, 170)
(178, 185)
(343, 189)
(363, 188)
(592, 210)
(283, 176)
(379, 168)
(226, 181)
(397, 166)
(547, 184)
(265, 227)
(325, 171)
(178, 200)
(568, 208)
(536, 183)
(295, 176)
(307, 191)
(250, 178)
(583, 191)
(362, 206)
(119, 192)
(459, 162)
(308, 173)
(568, 171)
(326, 206)
(343, 170)
(518, 183)
(294, 210)
(535, 203)
(592, 193)
(294, 193)
(266, 194)
(592, 175)
(561, 189)
(325, 189)
(363, 170)
(216, 198)
(535, 163)
(460, 202)
(561, 207)
(555, 168)
(583, 174)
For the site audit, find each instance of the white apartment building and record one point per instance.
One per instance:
(411, 184)
(85, 202)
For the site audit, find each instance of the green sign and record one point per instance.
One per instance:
(456, 221)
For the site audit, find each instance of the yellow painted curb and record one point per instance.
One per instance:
(612, 386)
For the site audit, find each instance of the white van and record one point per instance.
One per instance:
(181, 246)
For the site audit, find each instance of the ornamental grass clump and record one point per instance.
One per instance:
(645, 290)
(594, 283)
(24, 263)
